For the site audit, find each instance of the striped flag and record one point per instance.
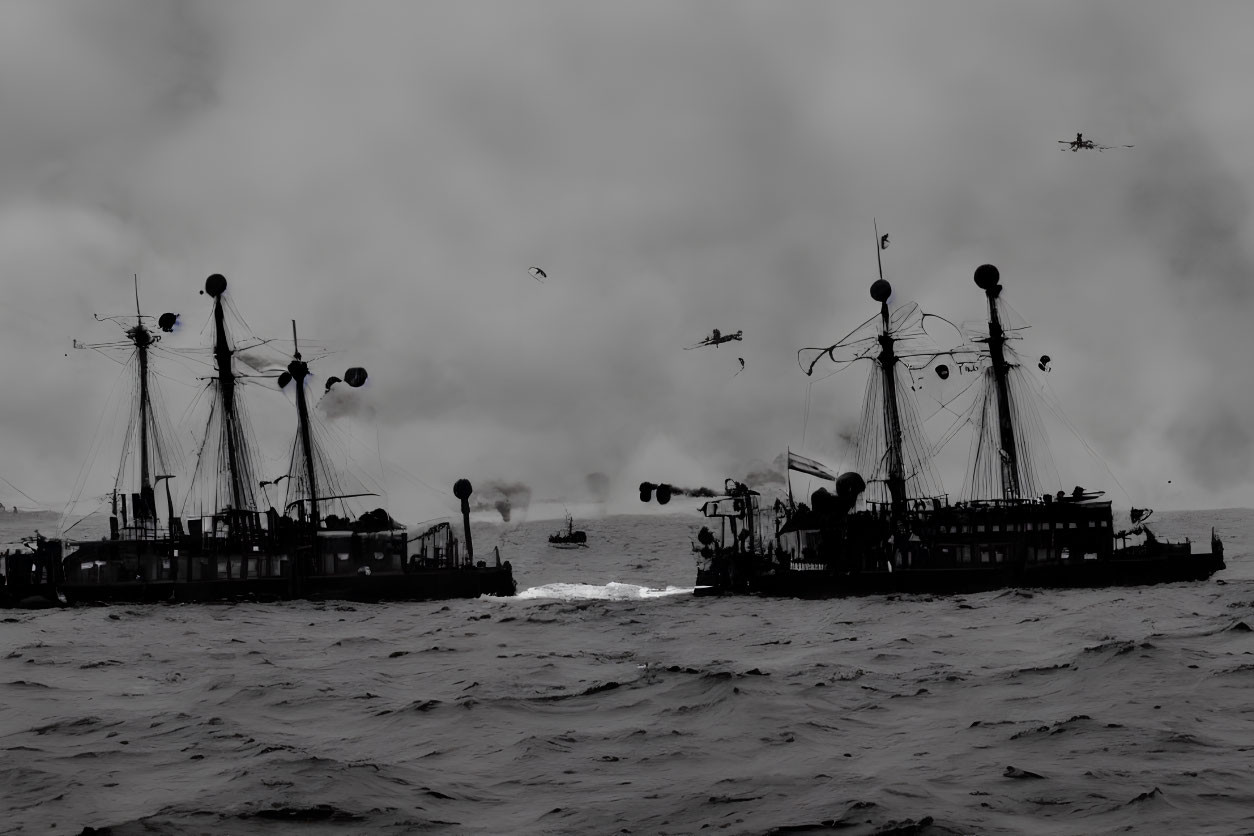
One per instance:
(803, 465)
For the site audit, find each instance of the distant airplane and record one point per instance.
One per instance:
(716, 337)
(1080, 143)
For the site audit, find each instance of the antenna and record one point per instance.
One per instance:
(879, 261)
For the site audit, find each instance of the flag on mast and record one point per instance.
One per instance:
(803, 465)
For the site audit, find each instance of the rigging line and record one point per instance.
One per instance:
(86, 516)
(118, 344)
(189, 351)
(1057, 410)
(1042, 434)
(19, 490)
(110, 358)
(199, 456)
(260, 341)
(444, 495)
(178, 358)
(974, 458)
(194, 405)
(841, 342)
(130, 432)
(943, 406)
(960, 420)
(841, 366)
(378, 446)
(93, 451)
(177, 381)
(234, 311)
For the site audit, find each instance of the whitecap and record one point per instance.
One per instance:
(612, 591)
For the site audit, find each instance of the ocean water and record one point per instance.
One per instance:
(606, 699)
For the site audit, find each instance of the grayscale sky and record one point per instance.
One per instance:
(385, 173)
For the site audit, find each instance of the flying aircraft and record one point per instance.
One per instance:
(1082, 144)
(716, 337)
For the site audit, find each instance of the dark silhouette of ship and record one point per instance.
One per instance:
(234, 547)
(569, 538)
(895, 530)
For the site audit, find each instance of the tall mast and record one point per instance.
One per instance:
(880, 291)
(142, 339)
(988, 279)
(299, 370)
(215, 286)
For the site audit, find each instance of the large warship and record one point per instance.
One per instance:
(229, 543)
(894, 529)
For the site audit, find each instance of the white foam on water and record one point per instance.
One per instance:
(612, 591)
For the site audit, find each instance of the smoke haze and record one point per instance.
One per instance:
(385, 173)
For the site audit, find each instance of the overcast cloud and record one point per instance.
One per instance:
(385, 173)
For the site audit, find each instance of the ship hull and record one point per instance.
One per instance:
(434, 585)
(817, 583)
(163, 571)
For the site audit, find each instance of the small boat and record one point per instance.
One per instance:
(234, 545)
(895, 530)
(569, 538)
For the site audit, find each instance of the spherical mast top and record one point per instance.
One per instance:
(987, 277)
(215, 285)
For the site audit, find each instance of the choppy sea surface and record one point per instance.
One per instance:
(606, 699)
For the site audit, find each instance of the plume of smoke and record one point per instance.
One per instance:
(260, 360)
(505, 497)
(341, 400)
(764, 476)
(598, 485)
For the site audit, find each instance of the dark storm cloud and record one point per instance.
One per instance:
(1216, 444)
(1196, 212)
(385, 174)
(1193, 210)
